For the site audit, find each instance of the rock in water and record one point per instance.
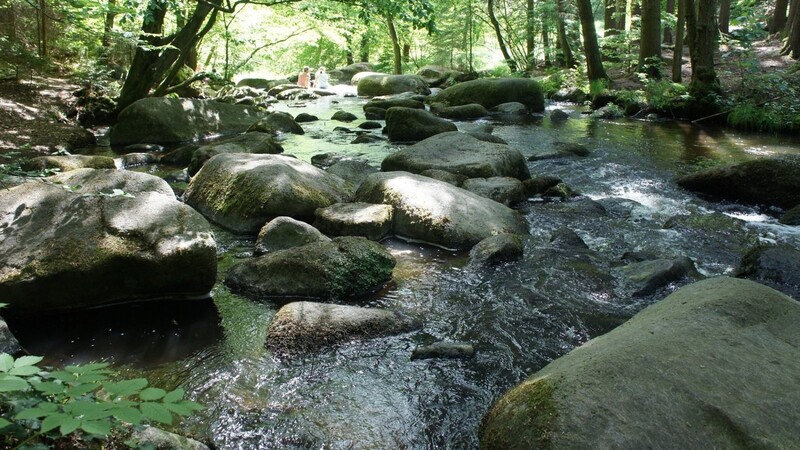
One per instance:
(713, 365)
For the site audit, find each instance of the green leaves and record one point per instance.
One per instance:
(80, 398)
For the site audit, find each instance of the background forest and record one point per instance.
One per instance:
(583, 44)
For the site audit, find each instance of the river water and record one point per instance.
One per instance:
(519, 316)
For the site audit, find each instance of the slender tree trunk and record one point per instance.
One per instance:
(500, 41)
(363, 53)
(43, 50)
(724, 15)
(650, 45)
(137, 85)
(108, 25)
(701, 33)
(670, 9)
(677, 54)
(619, 11)
(779, 16)
(792, 46)
(594, 61)
(398, 57)
(564, 57)
(530, 37)
(548, 62)
(609, 21)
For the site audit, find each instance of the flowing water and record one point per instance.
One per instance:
(519, 316)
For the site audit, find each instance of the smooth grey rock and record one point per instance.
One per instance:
(66, 163)
(510, 109)
(506, 190)
(438, 75)
(373, 222)
(254, 142)
(791, 217)
(277, 122)
(8, 342)
(347, 73)
(461, 154)
(305, 118)
(495, 250)
(307, 326)
(284, 232)
(392, 101)
(353, 171)
(112, 236)
(574, 95)
(776, 266)
(647, 277)
(160, 120)
(344, 116)
(540, 184)
(491, 92)
(566, 239)
(343, 267)
(443, 175)
(370, 125)
(156, 438)
(242, 192)
(375, 84)
(373, 113)
(410, 125)
(441, 350)
(463, 112)
(713, 365)
(437, 212)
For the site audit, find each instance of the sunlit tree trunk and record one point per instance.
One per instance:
(701, 33)
(548, 62)
(363, 53)
(779, 16)
(564, 56)
(677, 55)
(650, 46)
(594, 62)
(792, 46)
(530, 36)
(619, 12)
(397, 55)
(42, 23)
(108, 25)
(724, 15)
(500, 41)
(609, 19)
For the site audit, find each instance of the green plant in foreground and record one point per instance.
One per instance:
(37, 405)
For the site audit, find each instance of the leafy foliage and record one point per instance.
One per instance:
(39, 405)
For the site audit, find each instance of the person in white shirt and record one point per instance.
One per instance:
(321, 79)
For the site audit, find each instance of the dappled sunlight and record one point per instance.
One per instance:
(24, 112)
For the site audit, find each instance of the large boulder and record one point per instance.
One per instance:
(65, 163)
(261, 83)
(242, 192)
(769, 181)
(438, 75)
(459, 153)
(410, 124)
(375, 84)
(281, 233)
(777, 266)
(112, 236)
(506, 190)
(253, 142)
(158, 120)
(346, 73)
(308, 326)
(394, 100)
(437, 212)
(491, 92)
(277, 122)
(371, 221)
(339, 268)
(713, 365)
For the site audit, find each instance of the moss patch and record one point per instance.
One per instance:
(524, 418)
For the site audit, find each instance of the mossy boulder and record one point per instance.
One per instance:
(437, 212)
(341, 268)
(768, 181)
(242, 192)
(463, 112)
(371, 221)
(777, 266)
(159, 120)
(111, 236)
(461, 154)
(66, 163)
(411, 125)
(308, 326)
(647, 277)
(253, 142)
(376, 84)
(282, 232)
(713, 365)
(506, 190)
(491, 92)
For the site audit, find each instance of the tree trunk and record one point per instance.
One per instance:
(594, 61)
(363, 53)
(609, 21)
(677, 54)
(530, 37)
(42, 12)
(548, 62)
(701, 33)
(667, 29)
(650, 45)
(724, 16)
(564, 57)
(779, 16)
(406, 52)
(792, 47)
(398, 57)
(108, 25)
(500, 41)
(138, 84)
(619, 12)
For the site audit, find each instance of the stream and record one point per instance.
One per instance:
(519, 316)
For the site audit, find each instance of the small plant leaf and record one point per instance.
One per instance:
(24, 370)
(6, 362)
(150, 394)
(71, 424)
(183, 408)
(91, 377)
(32, 413)
(101, 427)
(54, 421)
(11, 383)
(49, 387)
(4, 423)
(27, 361)
(157, 412)
(125, 388)
(88, 410)
(128, 414)
(63, 375)
(88, 368)
(174, 396)
(81, 389)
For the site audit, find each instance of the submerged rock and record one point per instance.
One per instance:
(495, 250)
(307, 326)
(284, 232)
(340, 268)
(713, 365)
(277, 122)
(156, 438)
(449, 350)
(112, 236)
(459, 153)
(649, 276)
(242, 192)
(410, 125)
(437, 212)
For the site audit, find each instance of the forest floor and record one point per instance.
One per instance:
(29, 108)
